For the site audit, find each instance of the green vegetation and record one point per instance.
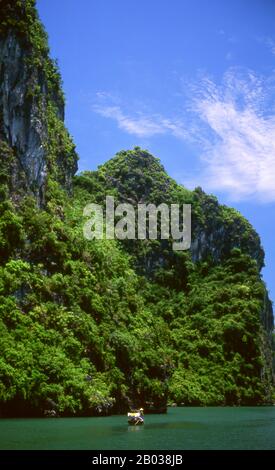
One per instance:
(84, 325)
(73, 328)
(20, 17)
(91, 327)
(216, 346)
(41, 108)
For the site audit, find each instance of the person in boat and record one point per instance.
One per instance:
(136, 417)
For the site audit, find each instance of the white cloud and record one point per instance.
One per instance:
(140, 124)
(238, 137)
(231, 127)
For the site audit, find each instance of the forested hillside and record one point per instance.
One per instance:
(93, 327)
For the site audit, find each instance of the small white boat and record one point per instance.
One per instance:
(135, 418)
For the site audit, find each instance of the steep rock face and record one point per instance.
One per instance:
(216, 229)
(87, 328)
(31, 101)
(23, 126)
(138, 177)
(216, 286)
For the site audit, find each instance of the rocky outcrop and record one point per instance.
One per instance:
(23, 126)
(138, 177)
(217, 229)
(31, 102)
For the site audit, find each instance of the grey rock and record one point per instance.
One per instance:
(23, 126)
(23, 123)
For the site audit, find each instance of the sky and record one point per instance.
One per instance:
(193, 82)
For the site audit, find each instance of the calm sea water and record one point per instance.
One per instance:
(181, 429)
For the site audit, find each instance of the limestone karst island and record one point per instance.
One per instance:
(99, 328)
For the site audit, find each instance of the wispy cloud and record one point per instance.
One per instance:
(138, 123)
(231, 126)
(140, 126)
(238, 148)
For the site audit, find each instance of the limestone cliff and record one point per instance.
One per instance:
(32, 103)
(91, 327)
(139, 177)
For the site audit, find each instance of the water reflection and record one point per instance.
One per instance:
(134, 428)
(182, 428)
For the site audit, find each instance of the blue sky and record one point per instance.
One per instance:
(191, 81)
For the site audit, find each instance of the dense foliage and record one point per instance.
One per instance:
(90, 327)
(83, 329)
(37, 118)
(214, 307)
(20, 17)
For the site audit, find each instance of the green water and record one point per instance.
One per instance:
(180, 429)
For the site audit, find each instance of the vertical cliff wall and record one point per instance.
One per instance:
(85, 328)
(32, 103)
